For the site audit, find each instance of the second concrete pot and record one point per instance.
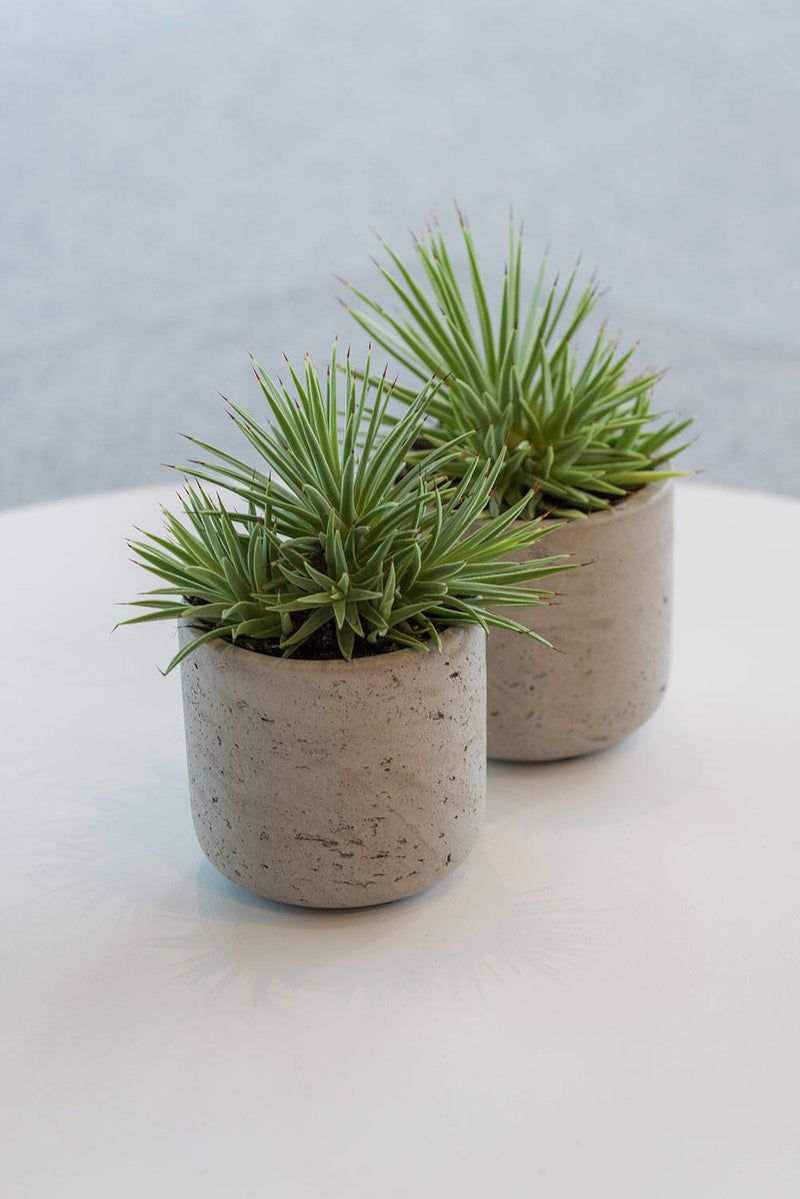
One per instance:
(612, 624)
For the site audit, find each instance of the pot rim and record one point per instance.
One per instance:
(641, 498)
(450, 637)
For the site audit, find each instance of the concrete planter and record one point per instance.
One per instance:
(337, 784)
(613, 626)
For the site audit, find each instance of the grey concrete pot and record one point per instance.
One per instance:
(612, 626)
(337, 784)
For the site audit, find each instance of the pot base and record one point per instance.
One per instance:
(317, 883)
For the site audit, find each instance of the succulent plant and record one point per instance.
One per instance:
(578, 432)
(336, 548)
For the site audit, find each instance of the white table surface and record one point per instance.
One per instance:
(604, 1000)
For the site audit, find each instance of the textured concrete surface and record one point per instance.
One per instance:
(181, 182)
(337, 784)
(611, 623)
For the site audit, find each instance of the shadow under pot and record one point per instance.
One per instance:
(612, 624)
(337, 784)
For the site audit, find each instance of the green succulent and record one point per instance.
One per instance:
(335, 541)
(577, 432)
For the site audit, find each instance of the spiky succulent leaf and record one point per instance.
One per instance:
(577, 431)
(335, 531)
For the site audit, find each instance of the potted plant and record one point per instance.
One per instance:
(333, 762)
(577, 434)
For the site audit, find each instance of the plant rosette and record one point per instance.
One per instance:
(576, 434)
(332, 648)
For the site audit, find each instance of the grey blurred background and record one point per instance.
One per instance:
(182, 181)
